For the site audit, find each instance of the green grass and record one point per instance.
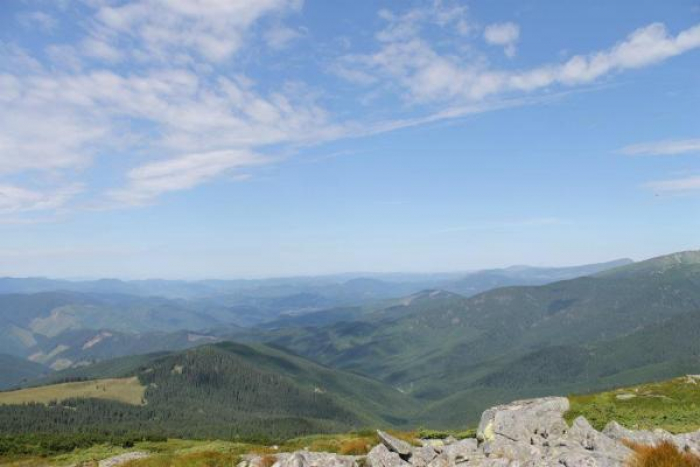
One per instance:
(671, 405)
(186, 453)
(127, 390)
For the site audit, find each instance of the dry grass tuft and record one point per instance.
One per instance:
(664, 454)
(268, 461)
(355, 447)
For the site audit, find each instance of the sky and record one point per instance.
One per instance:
(249, 138)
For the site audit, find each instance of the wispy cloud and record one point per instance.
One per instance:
(663, 148)
(427, 75)
(159, 79)
(16, 199)
(151, 180)
(178, 29)
(676, 185)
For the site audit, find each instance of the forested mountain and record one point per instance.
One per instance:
(222, 390)
(82, 347)
(569, 334)
(47, 324)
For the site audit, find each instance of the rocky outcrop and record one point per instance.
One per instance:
(685, 442)
(528, 433)
(302, 459)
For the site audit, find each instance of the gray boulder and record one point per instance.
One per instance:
(533, 420)
(583, 435)
(380, 456)
(304, 459)
(462, 450)
(527, 433)
(402, 448)
(422, 456)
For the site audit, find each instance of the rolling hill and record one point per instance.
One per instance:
(572, 334)
(220, 390)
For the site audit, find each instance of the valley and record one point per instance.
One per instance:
(433, 359)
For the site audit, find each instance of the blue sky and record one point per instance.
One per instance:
(239, 138)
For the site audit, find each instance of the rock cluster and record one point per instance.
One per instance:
(528, 433)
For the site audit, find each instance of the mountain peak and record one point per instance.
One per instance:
(658, 264)
(682, 258)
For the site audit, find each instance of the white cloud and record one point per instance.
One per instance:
(444, 14)
(663, 148)
(212, 29)
(503, 34)
(14, 199)
(676, 185)
(427, 75)
(151, 180)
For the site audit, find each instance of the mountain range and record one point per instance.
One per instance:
(388, 361)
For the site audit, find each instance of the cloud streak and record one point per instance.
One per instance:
(151, 180)
(676, 185)
(663, 148)
(426, 75)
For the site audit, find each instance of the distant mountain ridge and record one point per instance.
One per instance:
(575, 334)
(481, 281)
(50, 321)
(333, 287)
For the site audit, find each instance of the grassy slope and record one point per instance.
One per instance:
(127, 390)
(673, 405)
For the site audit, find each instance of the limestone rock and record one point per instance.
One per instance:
(402, 448)
(533, 420)
(380, 456)
(462, 450)
(422, 456)
(583, 435)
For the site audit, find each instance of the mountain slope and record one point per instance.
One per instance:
(222, 390)
(81, 347)
(482, 281)
(16, 371)
(451, 344)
